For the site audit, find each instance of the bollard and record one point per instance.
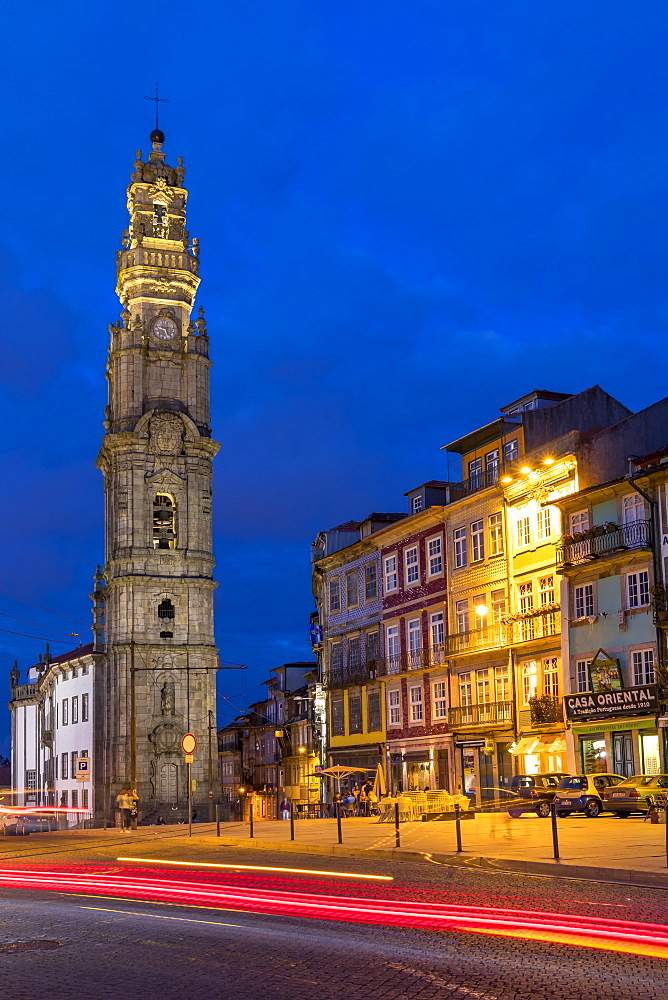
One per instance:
(251, 821)
(397, 834)
(217, 820)
(665, 815)
(292, 823)
(338, 821)
(458, 828)
(555, 834)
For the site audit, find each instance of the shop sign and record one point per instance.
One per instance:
(469, 744)
(604, 673)
(604, 704)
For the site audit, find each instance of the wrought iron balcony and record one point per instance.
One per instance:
(478, 638)
(355, 673)
(545, 710)
(603, 541)
(489, 713)
(481, 480)
(512, 629)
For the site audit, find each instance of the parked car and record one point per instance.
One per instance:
(630, 795)
(11, 825)
(533, 793)
(584, 793)
(34, 823)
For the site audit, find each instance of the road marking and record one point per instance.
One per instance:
(259, 868)
(158, 916)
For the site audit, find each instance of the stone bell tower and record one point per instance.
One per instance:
(159, 665)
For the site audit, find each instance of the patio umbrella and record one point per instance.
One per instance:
(379, 783)
(341, 771)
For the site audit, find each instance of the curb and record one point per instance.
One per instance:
(499, 866)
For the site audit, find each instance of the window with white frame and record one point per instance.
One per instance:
(352, 589)
(31, 781)
(633, 509)
(394, 708)
(334, 594)
(439, 700)
(498, 605)
(526, 596)
(544, 523)
(462, 612)
(583, 601)
(551, 677)
(483, 686)
(637, 589)
(495, 528)
(64, 769)
(529, 680)
(75, 709)
(479, 618)
(437, 626)
(372, 646)
(354, 651)
(414, 644)
(417, 711)
(417, 504)
(546, 590)
(390, 566)
(579, 521)
(465, 690)
(477, 541)
(393, 649)
(336, 657)
(475, 473)
(510, 450)
(435, 550)
(459, 536)
(65, 711)
(338, 728)
(643, 666)
(502, 684)
(412, 567)
(582, 681)
(84, 708)
(523, 530)
(370, 582)
(492, 466)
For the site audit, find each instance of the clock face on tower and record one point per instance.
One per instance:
(164, 328)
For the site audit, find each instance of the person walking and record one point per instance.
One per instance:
(285, 809)
(125, 802)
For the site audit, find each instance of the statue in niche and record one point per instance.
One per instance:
(167, 434)
(168, 699)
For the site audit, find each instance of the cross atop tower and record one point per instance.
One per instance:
(157, 99)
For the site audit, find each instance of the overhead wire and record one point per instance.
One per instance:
(47, 628)
(43, 608)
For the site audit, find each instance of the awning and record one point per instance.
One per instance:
(559, 746)
(525, 745)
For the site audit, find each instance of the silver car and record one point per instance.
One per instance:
(630, 795)
(584, 793)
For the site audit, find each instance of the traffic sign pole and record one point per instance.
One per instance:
(190, 800)
(189, 745)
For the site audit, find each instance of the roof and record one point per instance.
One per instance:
(482, 435)
(543, 393)
(436, 483)
(347, 526)
(74, 654)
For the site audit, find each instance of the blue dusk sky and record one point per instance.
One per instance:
(409, 213)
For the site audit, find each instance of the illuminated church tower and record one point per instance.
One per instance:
(156, 457)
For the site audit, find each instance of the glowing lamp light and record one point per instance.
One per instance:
(241, 789)
(525, 471)
(548, 461)
(301, 749)
(482, 610)
(506, 479)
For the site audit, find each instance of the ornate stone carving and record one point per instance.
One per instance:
(166, 738)
(166, 434)
(168, 698)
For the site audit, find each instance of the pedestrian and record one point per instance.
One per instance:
(125, 802)
(160, 821)
(285, 809)
(193, 817)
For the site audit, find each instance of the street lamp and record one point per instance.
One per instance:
(482, 610)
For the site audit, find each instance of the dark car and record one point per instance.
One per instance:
(584, 793)
(630, 795)
(38, 823)
(533, 793)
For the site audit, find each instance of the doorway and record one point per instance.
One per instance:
(622, 753)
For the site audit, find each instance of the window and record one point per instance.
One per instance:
(334, 594)
(370, 582)
(546, 585)
(502, 684)
(543, 522)
(483, 689)
(73, 763)
(477, 541)
(462, 612)
(475, 473)
(352, 590)
(551, 677)
(31, 781)
(526, 597)
(583, 604)
(582, 675)
(354, 652)
(435, 549)
(416, 704)
(372, 646)
(439, 700)
(637, 589)
(75, 709)
(84, 796)
(460, 546)
(414, 644)
(75, 799)
(393, 664)
(495, 526)
(523, 526)
(412, 568)
(354, 713)
(465, 690)
(643, 666)
(580, 521)
(492, 467)
(510, 450)
(63, 799)
(64, 771)
(437, 630)
(164, 521)
(65, 712)
(373, 712)
(633, 509)
(417, 504)
(336, 658)
(529, 681)
(394, 705)
(498, 605)
(84, 669)
(84, 708)
(479, 619)
(390, 573)
(337, 717)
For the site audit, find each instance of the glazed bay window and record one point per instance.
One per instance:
(643, 667)
(394, 708)
(583, 601)
(417, 711)
(510, 451)
(523, 530)
(551, 677)
(370, 582)
(439, 700)
(582, 682)
(462, 612)
(352, 589)
(435, 550)
(393, 662)
(529, 681)
(412, 567)
(390, 568)
(337, 717)
(477, 541)
(373, 712)
(637, 589)
(495, 529)
(334, 594)
(459, 536)
(354, 713)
